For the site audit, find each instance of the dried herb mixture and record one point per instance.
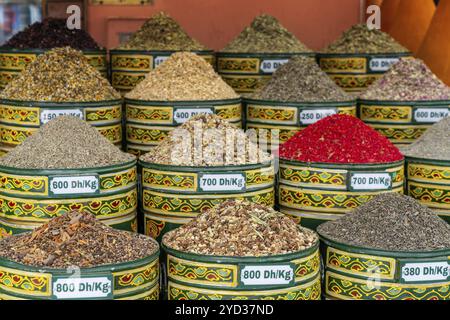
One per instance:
(240, 228)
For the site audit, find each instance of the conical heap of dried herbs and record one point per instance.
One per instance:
(360, 39)
(390, 221)
(206, 140)
(301, 79)
(51, 33)
(240, 228)
(66, 142)
(408, 80)
(60, 75)
(183, 76)
(161, 32)
(265, 35)
(76, 239)
(433, 144)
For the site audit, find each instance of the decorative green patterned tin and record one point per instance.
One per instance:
(171, 195)
(355, 72)
(289, 117)
(149, 122)
(30, 197)
(428, 181)
(246, 72)
(316, 192)
(13, 61)
(294, 276)
(402, 121)
(357, 273)
(20, 119)
(134, 280)
(128, 67)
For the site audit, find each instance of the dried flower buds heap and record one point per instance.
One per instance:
(390, 222)
(76, 239)
(222, 143)
(51, 33)
(340, 139)
(183, 76)
(360, 39)
(264, 35)
(301, 80)
(161, 32)
(60, 75)
(408, 80)
(240, 228)
(65, 143)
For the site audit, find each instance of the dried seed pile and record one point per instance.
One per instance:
(206, 140)
(65, 142)
(301, 79)
(240, 228)
(183, 76)
(161, 32)
(51, 33)
(60, 75)
(76, 239)
(408, 80)
(390, 221)
(339, 139)
(433, 144)
(360, 39)
(265, 35)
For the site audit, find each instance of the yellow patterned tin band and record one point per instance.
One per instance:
(401, 133)
(245, 83)
(428, 173)
(238, 65)
(354, 82)
(357, 65)
(360, 264)
(433, 196)
(348, 288)
(136, 279)
(151, 294)
(25, 283)
(380, 114)
(134, 62)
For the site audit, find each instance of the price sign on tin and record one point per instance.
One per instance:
(98, 287)
(427, 271)
(370, 181)
(47, 115)
(259, 275)
(222, 182)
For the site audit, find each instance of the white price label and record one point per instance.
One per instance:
(370, 181)
(310, 116)
(82, 288)
(222, 182)
(430, 115)
(49, 114)
(74, 185)
(381, 64)
(270, 66)
(182, 115)
(267, 275)
(425, 271)
(159, 60)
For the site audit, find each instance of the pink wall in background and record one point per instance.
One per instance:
(216, 22)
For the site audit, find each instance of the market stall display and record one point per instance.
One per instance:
(241, 250)
(24, 47)
(157, 39)
(75, 256)
(248, 61)
(387, 249)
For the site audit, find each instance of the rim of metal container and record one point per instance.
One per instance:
(301, 103)
(166, 167)
(152, 52)
(237, 260)
(67, 104)
(43, 172)
(427, 161)
(183, 103)
(344, 166)
(380, 252)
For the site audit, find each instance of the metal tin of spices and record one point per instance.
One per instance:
(247, 72)
(354, 72)
(172, 195)
(13, 61)
(149, 122)
(290, 117)
(403, 122)
(20, 119)
(358, 273)
(134, 280)
(316, 192)
(128, 67)
(30, 197)
(294, 276)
